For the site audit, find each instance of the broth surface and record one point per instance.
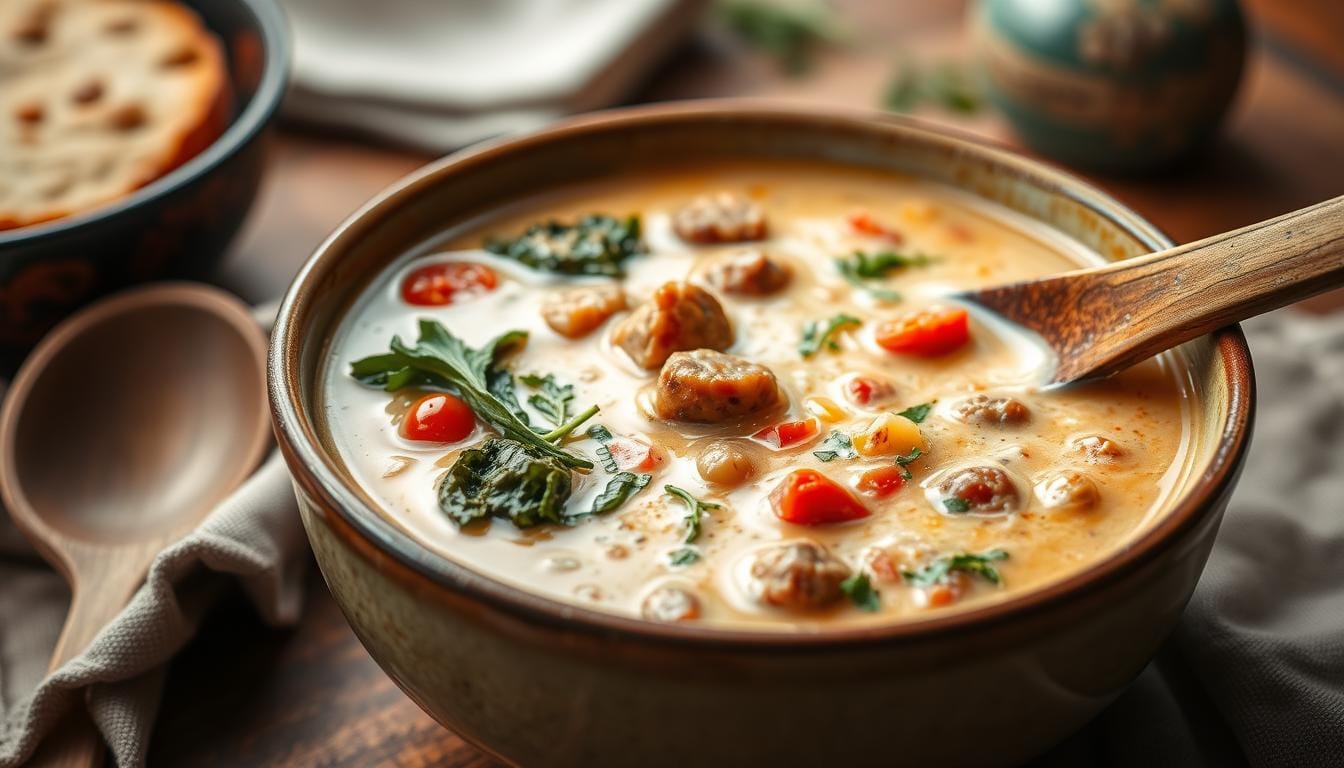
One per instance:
(616, 561)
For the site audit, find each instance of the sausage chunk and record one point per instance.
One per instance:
(719, 218)
(751, 273)
(983, 490)
(680, 317)
(983, 409)
(708, 387)
(799, 575)
(578, 312)
(1068, 490)
(670, 604)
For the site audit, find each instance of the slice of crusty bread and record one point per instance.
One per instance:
(99, 98)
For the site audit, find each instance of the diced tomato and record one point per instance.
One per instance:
(438, 418)
(864, 390)
(807, 497)
(864, 223)
(435, 285)
(932, 332)
(634, 455)
(788, 434)
(882, 481)
(940, 595)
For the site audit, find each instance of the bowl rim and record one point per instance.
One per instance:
(274, 32)
(397, 554)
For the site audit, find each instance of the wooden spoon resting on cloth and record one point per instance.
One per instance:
(1104, 319)
(122, 430)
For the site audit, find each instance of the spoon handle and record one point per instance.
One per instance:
(1105, 319)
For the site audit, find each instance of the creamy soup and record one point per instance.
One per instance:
(740, 396)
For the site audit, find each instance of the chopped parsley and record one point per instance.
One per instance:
(596, 244)
(837, 445)
(956, 505)
(917, 413)
(905, 461)
(684, 556)
(861, 593)
(695, 509)
(820, 334)
(940, 570)
(862, 267)
(552, 400)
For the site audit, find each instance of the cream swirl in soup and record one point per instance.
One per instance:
(738, 397)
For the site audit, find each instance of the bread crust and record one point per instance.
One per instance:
(99, 98)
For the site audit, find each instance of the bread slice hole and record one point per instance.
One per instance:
(31, 113)
(88, 93)
(128, 117)
(122, 26)
(182, 57)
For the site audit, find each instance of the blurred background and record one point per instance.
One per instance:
(1204, 115)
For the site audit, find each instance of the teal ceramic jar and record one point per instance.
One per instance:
(1113, 85)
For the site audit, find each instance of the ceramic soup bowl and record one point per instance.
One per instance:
(538, 682)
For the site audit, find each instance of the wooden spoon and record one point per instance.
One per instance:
(1102, 320)
(123, 428)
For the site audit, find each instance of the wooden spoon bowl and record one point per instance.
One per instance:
(125, 426)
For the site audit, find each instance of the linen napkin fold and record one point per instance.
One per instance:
(254, 537)
(439, 75)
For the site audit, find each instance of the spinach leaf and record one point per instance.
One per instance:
(917, 413)
(695, 508)
(863, 267)
(553, 400)
(603, 436)
(619, 489)
(940, 570)
(956, 505)
(861, 593)
(596, 244)
(818, 334)
(505, 478)
(837, 445)
(441, 360)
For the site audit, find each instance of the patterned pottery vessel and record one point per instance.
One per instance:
(177, 226)
(1111, 85)
(539, 682)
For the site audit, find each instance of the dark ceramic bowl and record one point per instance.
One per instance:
(538, 682)
(175, 227)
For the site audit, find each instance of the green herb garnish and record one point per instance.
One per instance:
(507, 479)
(956, 505)
(790, 32)
(837, 445)
(861, 593)
(619, 489)
(819, 334)
(940, 570)
(917, 413)
(603, 436)
(862, 267)
(553, 400)
(441, 360)
(597, 244)
(695, 509)
(905, 461)
(684, 556)
(948, 85)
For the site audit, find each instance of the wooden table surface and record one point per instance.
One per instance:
(246, 694)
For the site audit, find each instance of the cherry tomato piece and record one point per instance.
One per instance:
(882, 481)
(932, 332)
(865, 390)
(788, 434)
(634, 455)
(438, 418)
(865, 224)
(436, 285)
(807, 497)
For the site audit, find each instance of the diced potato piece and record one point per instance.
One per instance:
(826, 409)
(889, 435)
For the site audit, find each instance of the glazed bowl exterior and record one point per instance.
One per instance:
(177, 226)
(538, 682)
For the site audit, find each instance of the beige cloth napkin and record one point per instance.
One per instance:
(253, 538)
